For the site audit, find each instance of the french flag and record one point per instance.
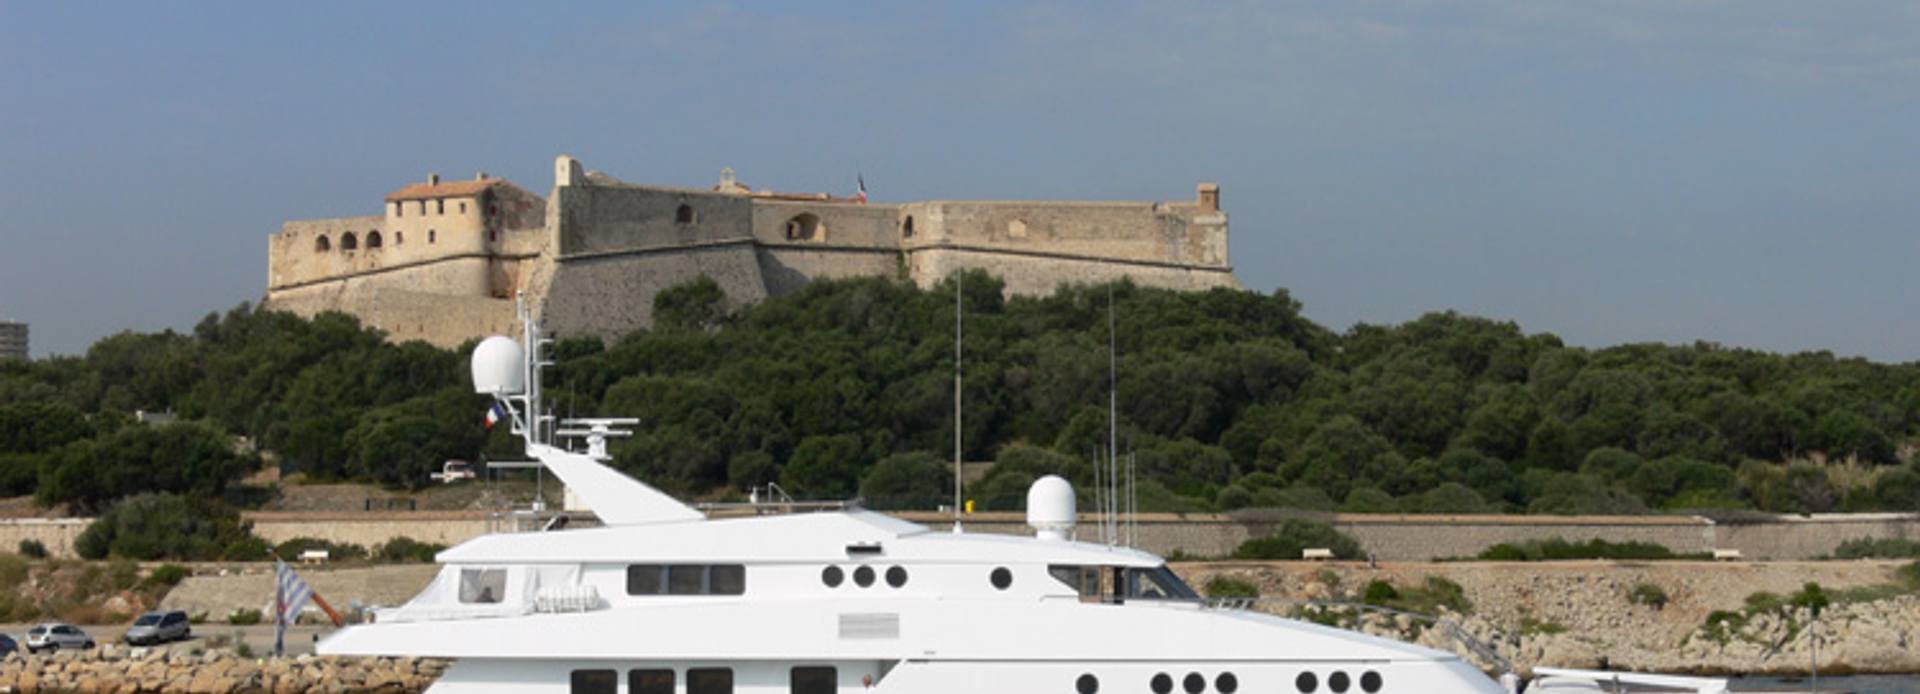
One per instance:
(862, 195)
(495, 414)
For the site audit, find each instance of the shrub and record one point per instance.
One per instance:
(1909, 575)
(1379, 592)
(1882, 548)
(33, 549)
(1430, 597)
(149, 527)
(1558, 549)
(1811, 597)
(1295, 535)
(167, 575)
(1649, 595)
(1223, 587)
(244, 616)
(13, 571)
(405, 550)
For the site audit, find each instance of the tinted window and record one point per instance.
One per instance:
(710, 681)
(595, 682)
(483, 585)
(176, 618)
(814, 680)
(1001, 578)
(728, 579)
(863, 576)
(832, 576)
(686, 579)
(896, 576)
(1084, 580)
(645, 579)
(1158, 583)
(650, 681)
(147, 620)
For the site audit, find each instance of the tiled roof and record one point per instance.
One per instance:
(448, 189)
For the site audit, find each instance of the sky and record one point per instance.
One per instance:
(1746, 173)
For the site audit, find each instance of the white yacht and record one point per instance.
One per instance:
(663, 600)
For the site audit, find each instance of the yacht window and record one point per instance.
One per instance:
(1157, 583)
(1084, 580)
(1001, 578)
(1370, 682)
(1087, 684)
(863, 576)
(896, 576)
(595, 682)
(1194, 683)
(1306, 683)
(814, 680)
(832, 576)
(1163, 683)
(646, 579)
(686, 579)
(650, 681)
(1338, 682)
(727, 579)
(1226, 683)
(715, 680)
(482, 585)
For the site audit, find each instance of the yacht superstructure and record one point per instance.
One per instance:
(663, 600)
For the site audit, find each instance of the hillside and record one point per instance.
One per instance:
(1227, 399)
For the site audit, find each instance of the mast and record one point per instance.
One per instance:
(959, 282)
(1113, 424)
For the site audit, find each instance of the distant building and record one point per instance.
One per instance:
(13, 340)
(443, 260)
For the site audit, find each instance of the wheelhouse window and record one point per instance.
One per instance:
(717, 680)
(814, 680)
(1157, 583)
(483, 586)
(650, 681)
(686, 579)
(595, 682)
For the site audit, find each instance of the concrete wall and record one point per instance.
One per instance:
(57, 534)
(372, 529)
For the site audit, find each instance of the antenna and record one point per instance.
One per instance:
(1113, 422)
(959, 282)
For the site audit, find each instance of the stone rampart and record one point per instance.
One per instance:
(389, 302)
(611, 295)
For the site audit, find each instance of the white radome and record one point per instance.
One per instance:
(499, 367)
(1051, 507)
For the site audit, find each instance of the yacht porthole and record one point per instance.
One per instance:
(1370, 682)
(1306, 683)
(1087, 684)
(1226, 683)
(863, 576)
(896, 576)
(832, 576)
(1338, 682)
(1162, 683)
(1001, 578)
(1194, 683)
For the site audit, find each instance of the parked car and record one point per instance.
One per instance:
(53, 637)
(159, 627)
(8, 645)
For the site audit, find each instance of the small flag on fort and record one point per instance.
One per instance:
(495, 414)
(862, 195)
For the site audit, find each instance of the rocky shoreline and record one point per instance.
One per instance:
(1675, 617)
(118, 670)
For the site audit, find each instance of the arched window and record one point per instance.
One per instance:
(683, 215)
(806, 227)
(348, 242)
(321, 244)
(906, 228)
(373, 239)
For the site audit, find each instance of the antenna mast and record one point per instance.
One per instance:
(959, 281)
(1113, 424)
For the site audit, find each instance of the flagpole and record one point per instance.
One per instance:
(279, 610)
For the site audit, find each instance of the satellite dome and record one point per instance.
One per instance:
(499, 367)
(1051, 508)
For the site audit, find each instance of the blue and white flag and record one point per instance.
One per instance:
(290, 594)
(495, 414)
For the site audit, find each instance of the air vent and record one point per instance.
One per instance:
(870, 625)
(860, 548)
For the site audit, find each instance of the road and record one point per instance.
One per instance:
(259, 637)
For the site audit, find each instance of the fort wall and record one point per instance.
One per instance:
(611, 295)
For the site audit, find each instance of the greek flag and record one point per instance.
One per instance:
(290, 593)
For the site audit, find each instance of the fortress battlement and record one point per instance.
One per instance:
(444, 259)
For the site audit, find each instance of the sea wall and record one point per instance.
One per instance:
(117, 669)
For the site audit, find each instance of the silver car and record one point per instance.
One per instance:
(159, 627)
(53, 637)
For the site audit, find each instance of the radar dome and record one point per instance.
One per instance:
(499, 367)
(1051, 508)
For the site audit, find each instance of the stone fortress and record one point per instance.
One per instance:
(13, 340)
(445, 259)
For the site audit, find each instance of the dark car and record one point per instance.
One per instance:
(159, 627)
(8, 645)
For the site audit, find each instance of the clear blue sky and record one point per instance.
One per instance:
(1742, 172)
